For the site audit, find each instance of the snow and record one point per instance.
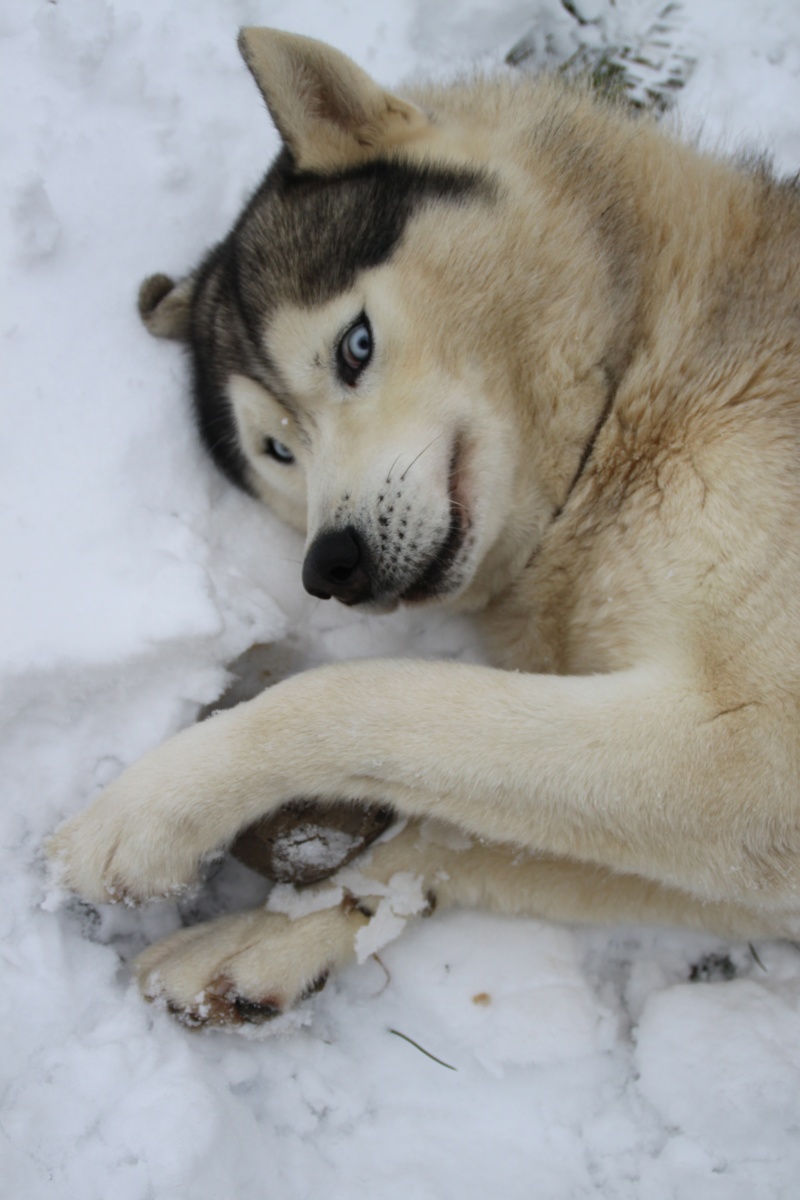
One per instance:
(310, 845)
(401, 898)
(585, 1063)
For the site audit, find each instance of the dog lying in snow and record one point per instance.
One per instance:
(503, 346)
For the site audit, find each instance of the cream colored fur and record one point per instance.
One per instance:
(619, 353)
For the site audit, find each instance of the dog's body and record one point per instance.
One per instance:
(509, 348)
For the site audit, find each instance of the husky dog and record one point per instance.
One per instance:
(504, 346)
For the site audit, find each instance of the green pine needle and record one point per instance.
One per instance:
(422, 1049)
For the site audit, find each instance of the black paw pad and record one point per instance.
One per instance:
(255, 1012)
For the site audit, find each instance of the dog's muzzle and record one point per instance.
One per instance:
(337, 565)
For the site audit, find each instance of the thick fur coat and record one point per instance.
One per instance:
(500, 345)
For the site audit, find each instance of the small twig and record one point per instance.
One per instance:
(422, 1050)
(386, 971)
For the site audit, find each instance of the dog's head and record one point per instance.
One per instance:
(349, 338)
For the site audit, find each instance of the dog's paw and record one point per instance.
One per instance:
(149, 832)
(130, 845)
(107, 859)
(244, 969)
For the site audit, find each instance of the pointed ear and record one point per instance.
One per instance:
(328, 111)
(164, 306)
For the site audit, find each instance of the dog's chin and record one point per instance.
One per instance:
(381, 607)
(438, 593)
(444, 575)
(384, 606)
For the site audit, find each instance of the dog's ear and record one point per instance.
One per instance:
(164, 306)
(328, 111)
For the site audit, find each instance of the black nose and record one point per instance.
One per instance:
(337, 564)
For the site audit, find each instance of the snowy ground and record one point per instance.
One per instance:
(133, 574)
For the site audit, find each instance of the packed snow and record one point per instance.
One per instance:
(584, 1061)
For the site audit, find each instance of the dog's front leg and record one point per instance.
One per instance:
(630, 770)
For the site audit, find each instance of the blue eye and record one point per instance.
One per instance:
(277, 450)
(354, 351)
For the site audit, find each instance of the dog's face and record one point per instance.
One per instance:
(341, 354)
(378, 438)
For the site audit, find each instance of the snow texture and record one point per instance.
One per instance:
(586, 1064)
(310, 845)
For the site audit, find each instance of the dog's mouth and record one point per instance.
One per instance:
(435, 577)
(360, 568)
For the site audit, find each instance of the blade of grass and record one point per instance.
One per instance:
(422, 1049)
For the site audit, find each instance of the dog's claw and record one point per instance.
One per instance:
(243, 970)
(316, 986)
(217, 1005)
(256, 1012)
